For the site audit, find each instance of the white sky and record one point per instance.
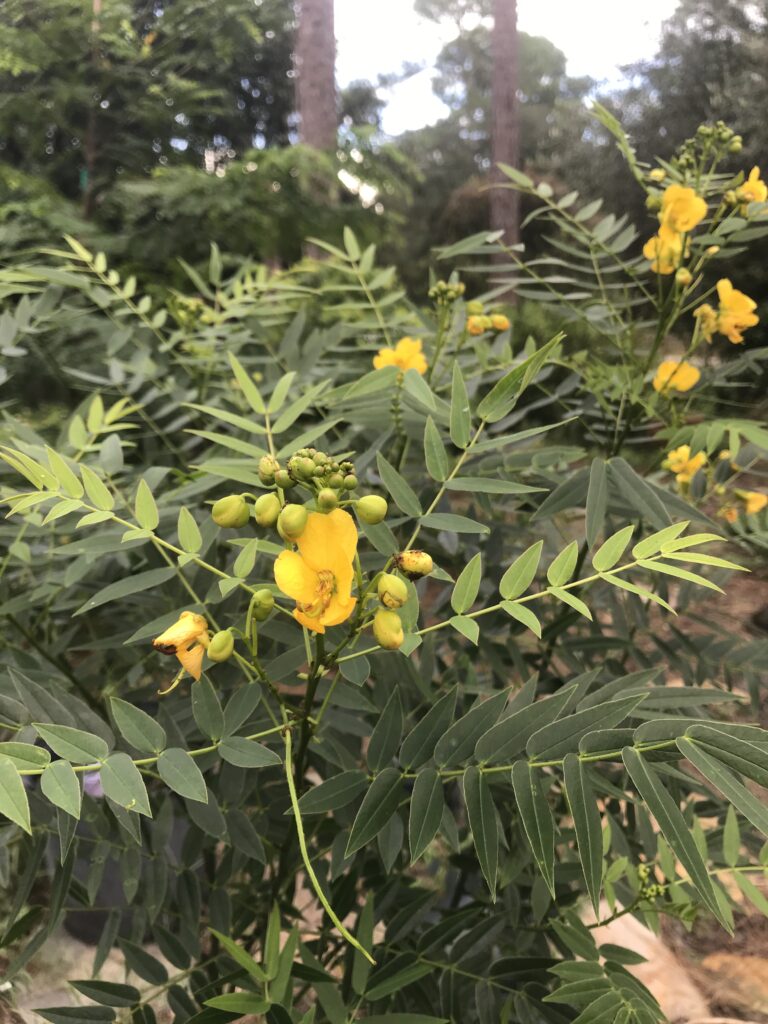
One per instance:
(597, 36)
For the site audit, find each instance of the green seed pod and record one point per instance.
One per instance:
(392, 591)
(327, 500)
(388, 629)
(221, 646)
(263, 603)
(268, 466)
(292, 521)
(267, 509)
(414, 564)
(231, 512)
(371, 509)
(350, 481)
(283, 479)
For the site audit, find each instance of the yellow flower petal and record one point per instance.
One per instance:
(188, 627)
(328, 539)
(191, 659)
(675, 375)
(295, 577)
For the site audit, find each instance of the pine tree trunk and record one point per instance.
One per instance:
(505, 131)
(316, 74)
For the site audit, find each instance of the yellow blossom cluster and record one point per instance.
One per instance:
(734, 314)
(682, 209)
(406, 355)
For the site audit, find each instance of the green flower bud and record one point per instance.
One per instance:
(388, 629)
(283, 479)
(371, 509)
(267, 509)
(320, 458)
(336, 480)
(327, 499)
(231, 512)
(350, 481)
(653, 202)
(392, 591)
(268, 466)
(414, 564)
(736, 145)
(475, 308)
(221, 646)
(292, 521)
(263, 603)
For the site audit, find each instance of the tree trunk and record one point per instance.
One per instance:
(316, 74)
(505, 130)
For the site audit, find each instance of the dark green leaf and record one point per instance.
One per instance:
(122, 782)
(507, 739)
(562, 737)
(482, 822)
(586, 819)
(467, 585)
(60, 785)
(536, 816)
(108, 993)
(461, 416)
(419, 745)
(597, 500)
(434, 452)
(426, 811)
(334, 793)
(179, 771)
(245, 753)
(379, 804)
(13, 797)
(386, 735)
(402, 493)
(458, 744)
(521, 573)
(73, 744)
(137, 727)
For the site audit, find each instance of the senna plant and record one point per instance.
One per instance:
(333, 687)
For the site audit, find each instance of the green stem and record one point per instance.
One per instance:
(305, 854)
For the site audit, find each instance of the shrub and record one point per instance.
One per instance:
(367, 690)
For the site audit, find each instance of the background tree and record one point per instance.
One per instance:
(316, 74)
(505, 134)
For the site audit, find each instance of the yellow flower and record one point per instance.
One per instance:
(477, 324)
(675, 375)
(657, 174)
(407, 355)
(680, 462)
(499, 322)
(730, 513)
(681, 208)
(736, 311)
(664, 250)
(187, 639)
(754, 501)
(753, 190)
(319, 575)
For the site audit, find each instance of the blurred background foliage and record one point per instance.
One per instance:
(169, 126)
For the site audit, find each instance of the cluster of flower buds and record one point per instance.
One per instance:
(710, 140)
(478, 322)
(445, 293)
(308, 468)
(648, 890)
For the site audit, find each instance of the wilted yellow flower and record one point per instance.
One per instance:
(753, 190)
(736, 311)
(664, 250)
(319, 576)
(407, 355)
(680, 462)
(499, 322)
(187, 639)
(681, 208)
(675, 375)
(707, 316)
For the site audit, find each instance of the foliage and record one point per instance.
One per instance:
(407, 814)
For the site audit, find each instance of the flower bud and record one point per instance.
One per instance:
(327, 499)
(392, 591)
(268, 466)
(283, 479)
(388, 629)
(263, 603)
(736, 145)
(371, 509)
(291, 522)
(350, 482)
(414, 564)
(730, 197)
(221, 645)
(267, 509)
(712, 250)
(500, 322)
(232, 511)
(475, 308)
(336, 480)
(657, 174)
(653, 203)
(476, 324)
(683, 277)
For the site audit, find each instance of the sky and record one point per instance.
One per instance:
(378, 36)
